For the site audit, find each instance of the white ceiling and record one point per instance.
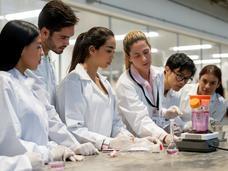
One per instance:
(15, 6)
(12, 6)
(164, 41)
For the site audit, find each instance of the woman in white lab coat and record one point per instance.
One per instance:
(85, 99)
(26, 162)
(28, 121)
(210, 83)
(20, 162)
(146, 94)
(8, 150)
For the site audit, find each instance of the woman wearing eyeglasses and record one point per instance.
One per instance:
(210, 83)
(146, 94)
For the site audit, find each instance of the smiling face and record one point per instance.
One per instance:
(30, 56)
(208, 83)
(140, 56)
(102, 57)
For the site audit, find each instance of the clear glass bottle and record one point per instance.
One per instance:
(172, 147)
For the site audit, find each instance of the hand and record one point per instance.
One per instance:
(153, 140)
(121, 142)
(62, 153)
(126, 143)
(177, 130)
(36, 160)
(85, 149)
(153, 143)
(168, 139)
(172, 112)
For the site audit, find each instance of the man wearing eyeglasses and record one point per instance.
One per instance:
(179, 70)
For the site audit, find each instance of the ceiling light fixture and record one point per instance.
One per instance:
(72, 42)
(154, 50)
(191, 47)
(193, 57)
(148, 34)
(220, 55)
(151, 34)
(22, 15)
(207, 61)
(121, 36)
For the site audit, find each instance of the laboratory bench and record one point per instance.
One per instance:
(145, 161)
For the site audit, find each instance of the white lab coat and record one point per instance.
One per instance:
(16, 163)
(28, 124)
(142, 119)
(44, 75)
(31, 120)
(217, 103)
(88, 113)
(172, 98)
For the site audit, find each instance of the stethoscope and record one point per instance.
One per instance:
(147, 99)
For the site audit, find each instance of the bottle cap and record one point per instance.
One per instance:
(194, 102)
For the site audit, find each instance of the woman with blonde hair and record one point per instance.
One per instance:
(146, 94)
(85, 99)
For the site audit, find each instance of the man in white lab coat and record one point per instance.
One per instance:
(146, 94)
(179, 69)
(56, 23)
(28, 120)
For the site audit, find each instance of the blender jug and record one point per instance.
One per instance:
(200, 113)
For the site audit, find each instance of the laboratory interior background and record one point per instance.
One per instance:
(198, 28)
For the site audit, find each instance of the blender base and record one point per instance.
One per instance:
(198, 142)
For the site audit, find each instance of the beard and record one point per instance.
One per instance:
(52, 46)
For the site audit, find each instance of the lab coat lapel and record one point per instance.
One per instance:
(85, 77)
(141, 81)
(158, 88)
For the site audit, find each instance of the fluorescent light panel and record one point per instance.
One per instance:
(191, 47)
(193, 57)
(207, 61)
(154, 50)
(21, 15)
(148, 34)
(151, 34)
(119, 37)
(72, 42)
(220, 55)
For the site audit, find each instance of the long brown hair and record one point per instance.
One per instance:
(96, 36)
(216, 71)
(129, 40)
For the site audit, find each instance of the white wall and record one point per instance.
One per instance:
(165, 14)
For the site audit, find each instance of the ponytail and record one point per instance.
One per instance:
(78, 52)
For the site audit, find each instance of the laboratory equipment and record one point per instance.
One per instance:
(216, 126)
(172, 147)
(196, 142)
(200, 113)
(199, 139)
